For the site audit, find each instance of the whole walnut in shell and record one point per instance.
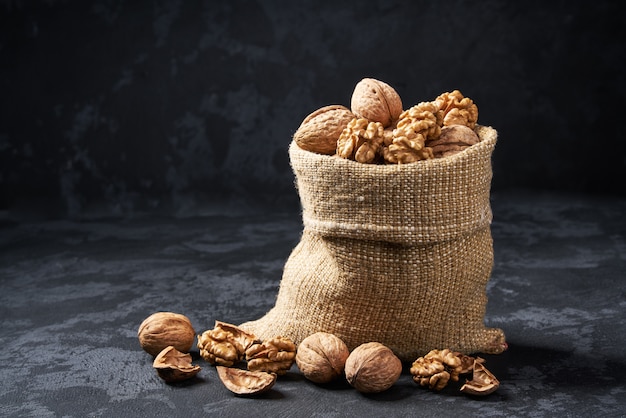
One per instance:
(321, 357)
(452, 139)
(320, 130)
(372, 367)
(376, 101)
(162, 329)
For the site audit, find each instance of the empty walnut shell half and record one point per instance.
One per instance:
(245, 382)
(482, 383)
(376, 101)
(174, 366)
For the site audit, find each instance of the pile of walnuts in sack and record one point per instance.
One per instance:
(321, 357)
(376, 129)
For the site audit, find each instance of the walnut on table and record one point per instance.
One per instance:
(275, 355)
(225, 344)
(437, 368)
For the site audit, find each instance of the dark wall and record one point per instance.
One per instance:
(118, 107)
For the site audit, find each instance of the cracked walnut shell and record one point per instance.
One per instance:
(162, 329)
(275, 355)
(376, 101)
(453, 139)
(225, 344)
(173, 366)
(320, 130)
(245, 382)
(321, 357)
(372, 367)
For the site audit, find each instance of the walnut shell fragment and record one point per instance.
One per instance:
(320, 130)
(162, 329)
(376, 101)
(321, 357)
(245, 382)
(275, 355)
(173, 366)
(483, 382)
(453, 139)
(225, 344)
(372, 367)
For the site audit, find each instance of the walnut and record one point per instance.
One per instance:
(376, 101)
(320, 130)
(275, 355)
(453, 139)
(361, 140)
(372, 367)
(245, 382)
(457, 109)
(483, 382)
(174, 366)
(437, 368)
(225, 344)
(321, 357)
(162, 329)
(415, 126)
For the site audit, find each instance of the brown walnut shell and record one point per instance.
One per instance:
(321, 357)
(376, 101)
(320, 130)
(162, 329)
(372, 367)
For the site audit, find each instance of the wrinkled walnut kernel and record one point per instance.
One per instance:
(437, 368)
(275, 355)
(225, 344)
(457, 109)
(361, 140)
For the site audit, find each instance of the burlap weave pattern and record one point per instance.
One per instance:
(399, 254)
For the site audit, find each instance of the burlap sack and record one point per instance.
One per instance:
(399, 254)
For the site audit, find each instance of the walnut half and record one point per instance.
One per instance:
(225, 344)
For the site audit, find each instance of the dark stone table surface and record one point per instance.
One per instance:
(73, 294)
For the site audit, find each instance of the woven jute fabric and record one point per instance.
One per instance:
(399, 254)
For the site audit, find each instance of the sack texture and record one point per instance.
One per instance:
(399, 254)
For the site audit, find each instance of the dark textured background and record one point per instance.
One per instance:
(114, 107)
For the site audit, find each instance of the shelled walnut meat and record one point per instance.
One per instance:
(225, 344)
(275, 355)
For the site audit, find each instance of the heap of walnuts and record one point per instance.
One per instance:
(376, 129)
(321, 358)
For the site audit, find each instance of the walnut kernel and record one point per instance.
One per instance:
(361, 140)
(275, 355)
(225, 344)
